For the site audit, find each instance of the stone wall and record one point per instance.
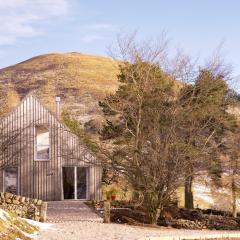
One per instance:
(23, 206)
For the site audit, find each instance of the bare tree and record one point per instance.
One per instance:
(204, 122)
(231, 166)
(149, 152)
(165, 130)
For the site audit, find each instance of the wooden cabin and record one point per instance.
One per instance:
(41, 158)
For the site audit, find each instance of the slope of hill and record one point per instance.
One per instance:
(81, 81)
(13, 227)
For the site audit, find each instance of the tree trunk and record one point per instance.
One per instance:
(188, 193)
(153, 216)
(234, 198)
(153, 208)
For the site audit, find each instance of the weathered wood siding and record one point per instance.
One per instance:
(43, 179)
(1, 180)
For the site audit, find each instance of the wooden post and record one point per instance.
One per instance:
(43, 212)
(106, 209)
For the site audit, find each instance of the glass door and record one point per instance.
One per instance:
(81, 183)
(68, 182)
(75, 182)
(11, 180)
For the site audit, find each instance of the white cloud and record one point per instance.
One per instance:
(11, 3)
(7, 40)
(19, 18)
(96, 32)
(101, 26)
(91, 38)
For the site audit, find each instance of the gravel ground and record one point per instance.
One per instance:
(64, 211)
(73, 220)
(98, 231)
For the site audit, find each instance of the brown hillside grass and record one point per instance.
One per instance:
(68, 74)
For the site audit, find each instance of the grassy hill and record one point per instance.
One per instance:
(81, 81)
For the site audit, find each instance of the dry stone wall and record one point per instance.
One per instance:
(23, 206)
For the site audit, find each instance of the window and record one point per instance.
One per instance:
(11, 180)
(42, 143)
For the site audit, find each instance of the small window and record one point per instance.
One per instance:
(11, 180)
(42, 143)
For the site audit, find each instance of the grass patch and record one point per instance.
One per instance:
(13, 227)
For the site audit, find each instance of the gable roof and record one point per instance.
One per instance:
(53, 114)
(31, 95)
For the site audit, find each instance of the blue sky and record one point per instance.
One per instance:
(32, 27)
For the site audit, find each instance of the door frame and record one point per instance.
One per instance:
(18, 178)
(75, 183)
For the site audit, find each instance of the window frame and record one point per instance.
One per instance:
(36, 145)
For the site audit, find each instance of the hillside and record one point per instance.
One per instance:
(81, 81)
(13, 227)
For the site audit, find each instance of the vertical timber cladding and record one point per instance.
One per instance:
(1, 180)
(43, 179)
